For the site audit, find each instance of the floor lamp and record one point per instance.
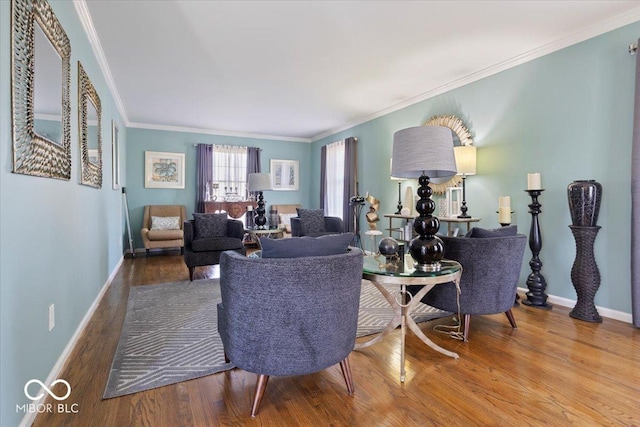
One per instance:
(466, 164)
(424, 152)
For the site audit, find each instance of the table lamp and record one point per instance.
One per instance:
(466, 164)
(260, 182)
(424, 152)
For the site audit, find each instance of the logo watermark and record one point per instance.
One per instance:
(59, 408)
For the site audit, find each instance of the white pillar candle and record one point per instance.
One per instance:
(504, 216)
(504, 202)
(533, 181)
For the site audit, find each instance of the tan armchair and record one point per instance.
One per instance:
(163, 232)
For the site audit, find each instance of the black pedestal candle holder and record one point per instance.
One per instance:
(536, 297)
(399, 207)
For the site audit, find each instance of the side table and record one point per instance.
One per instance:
(403, 274)
(275, 233)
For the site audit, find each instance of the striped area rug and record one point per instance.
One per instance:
(170, 333)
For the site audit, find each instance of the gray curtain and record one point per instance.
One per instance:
(350, 181)
(204, 171)
(635, 203)
(323, 176)
(253, 163)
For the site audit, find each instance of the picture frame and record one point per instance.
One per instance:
(285, 175)
(164, 170)
(115, 156)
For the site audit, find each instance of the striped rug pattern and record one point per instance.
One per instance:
(170, 333)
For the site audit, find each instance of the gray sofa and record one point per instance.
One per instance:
(491, 269)
(289, 316)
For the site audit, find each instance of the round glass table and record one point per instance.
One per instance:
(400, 271)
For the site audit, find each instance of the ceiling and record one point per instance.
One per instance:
(301, 70)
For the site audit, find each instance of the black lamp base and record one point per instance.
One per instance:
(260, 220)
(426, 249)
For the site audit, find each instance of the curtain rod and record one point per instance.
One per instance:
(633, 47)
(195, 145)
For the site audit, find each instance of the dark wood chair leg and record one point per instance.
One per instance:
(261, 385)
(465, 327)
(346, 373)
(512, 319)
(147, 253)
(191, 271)
(226, 358)
(182, 251)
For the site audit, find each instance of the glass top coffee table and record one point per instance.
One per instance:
(400, 272)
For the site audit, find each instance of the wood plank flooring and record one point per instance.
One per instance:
(552, 371)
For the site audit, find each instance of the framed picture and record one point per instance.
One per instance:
(115, 156)
(163, 170)
(285, 175)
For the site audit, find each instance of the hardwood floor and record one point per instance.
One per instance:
(552, 371)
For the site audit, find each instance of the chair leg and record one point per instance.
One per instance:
(226, 358)
(346, 373)
(465, 327)
(147, 253)
(182, 250)
(260, 386)
(191, 271)
(512, 319)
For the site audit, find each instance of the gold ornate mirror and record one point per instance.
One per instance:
(40, 97)
(89, 122)
(461, 136)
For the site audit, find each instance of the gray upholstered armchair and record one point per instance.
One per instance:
(289, 316)
(202, 249)
(313, 222)
(490, 272)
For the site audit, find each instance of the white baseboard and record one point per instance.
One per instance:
(603, 311)
(29, 418)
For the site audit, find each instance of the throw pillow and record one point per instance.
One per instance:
(312, 220)
(165, 222)
(210, 225)
(510, 230)
(305, 246)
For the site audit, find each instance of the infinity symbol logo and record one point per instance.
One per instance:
(47, 389)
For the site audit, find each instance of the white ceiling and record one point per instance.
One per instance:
(301, 70)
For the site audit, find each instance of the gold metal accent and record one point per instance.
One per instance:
(460, 130)
(90, 173)
(33, 154)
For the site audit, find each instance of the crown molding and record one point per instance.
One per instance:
(92, 35)
(217, 132)
(580, 36)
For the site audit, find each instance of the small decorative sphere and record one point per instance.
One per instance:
(388, 246)
(405, 212)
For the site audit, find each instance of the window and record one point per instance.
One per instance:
(335, 179)
(230, 170)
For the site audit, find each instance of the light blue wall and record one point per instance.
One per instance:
(567, 115)
(141, 140)
(59, 241)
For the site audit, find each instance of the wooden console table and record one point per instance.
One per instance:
(234, 209)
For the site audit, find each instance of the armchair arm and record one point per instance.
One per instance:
(296, 227)
(188, 233)
(235, 228)
(334, 224)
